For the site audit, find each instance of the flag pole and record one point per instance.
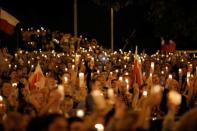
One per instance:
(75, 16)
(112, 29)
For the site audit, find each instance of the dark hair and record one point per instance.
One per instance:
(42, 123)
(74, 119)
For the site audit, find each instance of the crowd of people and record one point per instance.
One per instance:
(62, 82)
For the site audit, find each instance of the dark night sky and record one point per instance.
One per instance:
(93, 20)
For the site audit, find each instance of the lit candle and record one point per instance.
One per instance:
(188, 76)
(170, 76)
(145, 93)
(126, 73)
(152, 65)
(73, 67)
(166, 69)
(99, 127)
(1, 101)
(180, 70)
(32, 66)
(80, 113)
(14, 84)
(120, 78)
(1, 98)
(151, 74)
(65, 79)
(77, 57)
(81, 79)
(127, 82)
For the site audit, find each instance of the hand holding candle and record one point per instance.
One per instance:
(174, 97)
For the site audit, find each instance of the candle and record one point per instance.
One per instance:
(32, 66)
(9, 65)
(77, 57)
(1, 98)
(166, 69)
(162, 72)
(80, 113)
(170, 76)
(116, 71)
(1, 102)
(188, 76)
(126, 73)
(151, 74)
(65, 79)
(73, 67)
(81, 79)
(98, 71)
(175, 97)
(99, 127)
(120, 78)
(14, 84)
(66, 69)
(180, 70)
(145, 93)
(152, 65)
(127, 82)
(111, 73)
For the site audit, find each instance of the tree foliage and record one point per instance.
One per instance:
(176, 19)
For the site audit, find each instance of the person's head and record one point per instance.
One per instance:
(14, 121)
(13, 75)
(58, 123)
(6, 89)
(19, 72)
(173, 85)
(156, 80)
(68, 104)
(50, 122)
(76, 124)
(95, 84)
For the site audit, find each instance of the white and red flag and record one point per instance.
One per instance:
(37, 79)
(7, 22)
(137, 70)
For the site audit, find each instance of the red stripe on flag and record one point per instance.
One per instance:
(6, 27)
